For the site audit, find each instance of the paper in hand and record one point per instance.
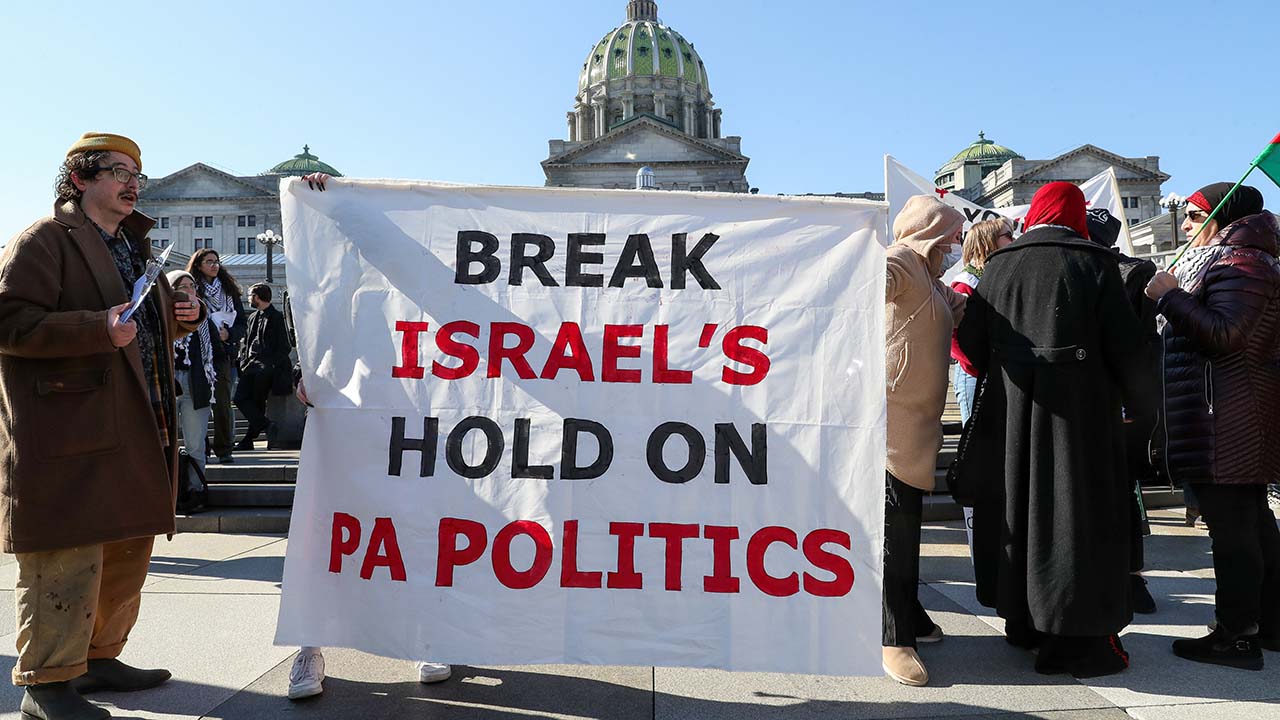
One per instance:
(144, 284)
(224, 319)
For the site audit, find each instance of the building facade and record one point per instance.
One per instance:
(994, 176)
(201, 206)
(644, 99)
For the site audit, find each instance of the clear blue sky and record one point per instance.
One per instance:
(471, 91)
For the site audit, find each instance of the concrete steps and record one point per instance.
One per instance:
(236, 521)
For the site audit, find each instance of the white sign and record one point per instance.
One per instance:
(900, 183)
(599, 427)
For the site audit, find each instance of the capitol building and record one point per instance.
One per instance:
(644, 99)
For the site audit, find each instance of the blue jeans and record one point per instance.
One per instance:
(966, 387)
(194, 423)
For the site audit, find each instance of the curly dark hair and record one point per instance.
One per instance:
(229, 284)
(78, 164)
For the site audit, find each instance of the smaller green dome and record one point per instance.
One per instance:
(984, 151)
(303, 164)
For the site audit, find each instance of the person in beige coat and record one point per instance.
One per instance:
(920, 314)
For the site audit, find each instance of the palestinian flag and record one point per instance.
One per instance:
(1269, 161)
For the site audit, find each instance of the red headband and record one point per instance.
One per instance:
(1199, 201)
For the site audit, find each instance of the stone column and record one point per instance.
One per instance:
(660, 104)
(602, 122)
(628, 108)
(579, 126)
(572, 119)
(688, 119)
(715, 124)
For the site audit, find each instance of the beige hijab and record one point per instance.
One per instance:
(924, 223)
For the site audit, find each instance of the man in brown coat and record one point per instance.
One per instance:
(88, 451)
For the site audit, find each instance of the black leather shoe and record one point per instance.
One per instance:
(113, 675)
(1220, 647)
(58, 701)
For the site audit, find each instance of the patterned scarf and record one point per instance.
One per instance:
(182, 354)
(1191, 268)
(150, 338)
(217, 299)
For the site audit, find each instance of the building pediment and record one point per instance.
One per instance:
(202, 182)
(1084, 161)
(647, 141)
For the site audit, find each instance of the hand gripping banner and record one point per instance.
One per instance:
(597, 427)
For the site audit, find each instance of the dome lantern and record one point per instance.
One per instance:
(642, 10)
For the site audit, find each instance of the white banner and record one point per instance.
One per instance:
(900, 183)
(599, 427)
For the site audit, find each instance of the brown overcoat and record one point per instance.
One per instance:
(81, 460)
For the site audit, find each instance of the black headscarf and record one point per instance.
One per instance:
(1245, 202)
(1104, 228)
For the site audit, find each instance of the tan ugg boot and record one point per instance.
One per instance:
(905, 666)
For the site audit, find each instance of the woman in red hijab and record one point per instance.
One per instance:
(1055, 338)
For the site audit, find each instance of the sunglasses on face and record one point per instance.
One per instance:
(1197, 216)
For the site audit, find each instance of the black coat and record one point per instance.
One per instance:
(1222, 363)
(1051, 329)
(266, 349)
(1143, 401)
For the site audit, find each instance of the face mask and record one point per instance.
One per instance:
(952, 258)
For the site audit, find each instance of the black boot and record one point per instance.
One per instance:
(1082, 656)
(1021, 634)
(58, 701)
(1143, 603)
(115, 676)
(246, 443)
(1221, 647)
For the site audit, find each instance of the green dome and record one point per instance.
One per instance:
(985, 152)
(303, 164)
(642, 47)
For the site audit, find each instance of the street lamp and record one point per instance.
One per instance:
(1173, 202)
(271, 240)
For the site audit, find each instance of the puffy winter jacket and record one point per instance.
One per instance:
(1222, 362)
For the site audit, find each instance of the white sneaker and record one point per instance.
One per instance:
(429, 672)
(306, 679)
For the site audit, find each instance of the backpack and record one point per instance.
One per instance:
(193, 490)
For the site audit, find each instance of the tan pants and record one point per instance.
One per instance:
(76, 604)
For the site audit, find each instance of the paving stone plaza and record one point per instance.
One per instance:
(209, 614)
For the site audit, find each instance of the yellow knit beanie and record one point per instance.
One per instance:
(92, 141)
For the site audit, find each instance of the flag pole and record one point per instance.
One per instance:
(1252, 166)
